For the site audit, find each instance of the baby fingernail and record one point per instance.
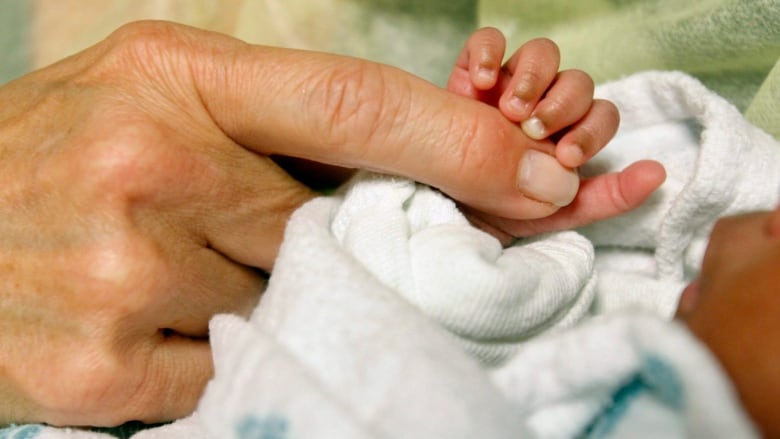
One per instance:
(534, 128)
(542, 178)
(517, 106)
(486, 75)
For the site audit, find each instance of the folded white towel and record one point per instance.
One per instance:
(416, 242)
(717, 164)
(388, 315)
(333, 352)
(624, 375)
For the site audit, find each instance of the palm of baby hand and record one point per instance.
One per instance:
(547, 103)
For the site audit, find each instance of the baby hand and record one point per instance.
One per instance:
(529, 89)
(558, 110)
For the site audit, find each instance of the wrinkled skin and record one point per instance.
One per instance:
(138, 199)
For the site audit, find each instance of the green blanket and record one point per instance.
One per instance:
(733, 46)
(13, 38)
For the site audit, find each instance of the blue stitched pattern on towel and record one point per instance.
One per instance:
(267, 427)
(655, 377)
(20, 432)
(606, 421)
(663, 381)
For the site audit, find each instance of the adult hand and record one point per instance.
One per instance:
(136, 191)
(128, 219)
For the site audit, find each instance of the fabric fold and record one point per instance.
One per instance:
(388, 314)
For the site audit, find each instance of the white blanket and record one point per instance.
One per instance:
(388, 315)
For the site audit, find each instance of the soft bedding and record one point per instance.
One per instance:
(387, 313)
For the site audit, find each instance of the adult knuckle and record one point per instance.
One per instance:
(144, 37)
(122, 166)
(101, 372)
(470, 149)
(119, 276)
(471, 143)
(92, 384)
(353, 100)
(135, 264)
(141, 48)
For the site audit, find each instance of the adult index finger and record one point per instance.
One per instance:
(355, 113)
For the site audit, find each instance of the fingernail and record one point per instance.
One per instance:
(517, 106)
(542, 178)
(486, 75)
(570, 155)
(534, 128)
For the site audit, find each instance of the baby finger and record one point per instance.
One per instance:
(591, 133)
(566, 102)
